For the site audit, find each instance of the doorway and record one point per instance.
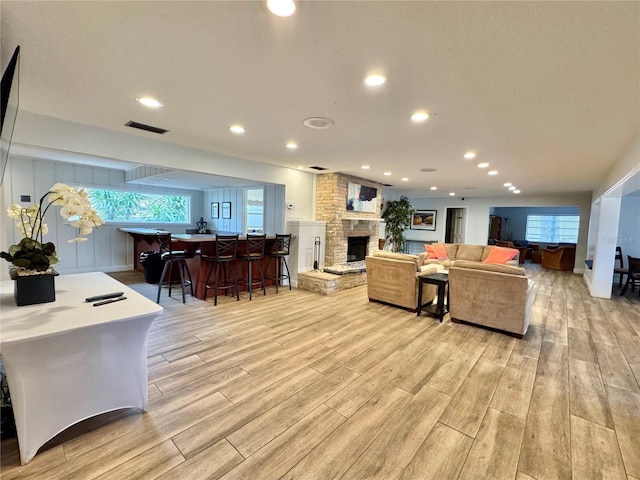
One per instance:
(454, 231)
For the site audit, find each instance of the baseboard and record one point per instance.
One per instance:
(106, 269)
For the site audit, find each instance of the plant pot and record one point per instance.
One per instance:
(33, 289)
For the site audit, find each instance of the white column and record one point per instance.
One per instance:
(605, 246)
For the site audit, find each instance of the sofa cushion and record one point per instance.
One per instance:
(500, 255)
(395, 256)
(469, 252)
(436, 251)
(404, 257)
(452, 249)
(491, 267)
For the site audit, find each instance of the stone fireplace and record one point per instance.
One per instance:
(344, 225)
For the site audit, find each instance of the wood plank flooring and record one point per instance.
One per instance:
(303, 386)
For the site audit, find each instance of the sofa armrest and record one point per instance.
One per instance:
(394, 281)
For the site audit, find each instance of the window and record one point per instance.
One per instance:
(254, 210)
(553, 228)
(138, 207)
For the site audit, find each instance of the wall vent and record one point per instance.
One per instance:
(147, 128)
(315, 167)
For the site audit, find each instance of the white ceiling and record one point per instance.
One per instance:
(547, 92)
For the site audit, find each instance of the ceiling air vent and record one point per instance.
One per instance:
(315, 167)
(387, 185)
(147, 128)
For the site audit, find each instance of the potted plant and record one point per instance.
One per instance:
(31, 258)
(397, 216)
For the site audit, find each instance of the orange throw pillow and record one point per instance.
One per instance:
(500, 255)
(436, 251)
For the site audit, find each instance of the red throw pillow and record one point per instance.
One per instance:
(436, 251)
(500, 255)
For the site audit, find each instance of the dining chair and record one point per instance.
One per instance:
(633, 276)
(620, 270)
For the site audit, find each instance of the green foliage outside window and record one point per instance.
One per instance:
(123, 206)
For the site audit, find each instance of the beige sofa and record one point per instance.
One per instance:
(392, 279)
(496, 296)
(466, 252)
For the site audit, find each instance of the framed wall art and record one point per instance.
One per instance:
(215, 210)
(226, 209)
(424, 220)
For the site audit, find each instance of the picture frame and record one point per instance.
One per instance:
(215, 210)
(424, 220)
(226, 210)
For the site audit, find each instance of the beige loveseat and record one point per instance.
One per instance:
(496, 296)
(392, 279)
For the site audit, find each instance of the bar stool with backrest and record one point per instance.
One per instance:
(224, 253)
(254, 253)
(620, 270)
(169, 257)
(633, 276)
(280, 251)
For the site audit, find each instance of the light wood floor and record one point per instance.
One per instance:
(297, 385)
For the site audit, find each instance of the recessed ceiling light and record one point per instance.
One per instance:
(516, 191)
(483, 165)
(508, 184)
(433, 188)
(281, 8)
(492, 172)
(452, 194)
(365, 167)
(512, 188)
(421, 116)
(149, 102)
(470, 155)
(375, 80)
(387, 174)
(404, 179)
(238, 129)
(292, 145)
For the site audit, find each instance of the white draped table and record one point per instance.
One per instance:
(67, 360)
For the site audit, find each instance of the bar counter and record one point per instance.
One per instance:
(145, 239)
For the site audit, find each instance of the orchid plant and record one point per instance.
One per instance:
(31, 255)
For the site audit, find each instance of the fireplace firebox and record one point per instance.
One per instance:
(357, 248)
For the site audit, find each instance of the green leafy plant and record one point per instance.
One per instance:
(31, 255)
(397, 217)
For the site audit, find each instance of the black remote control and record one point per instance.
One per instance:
(104, 297)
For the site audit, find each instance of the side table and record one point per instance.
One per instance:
(441, 281)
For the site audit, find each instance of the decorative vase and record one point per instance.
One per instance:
(33, 289)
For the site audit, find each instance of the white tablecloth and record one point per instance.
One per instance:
(67, 360)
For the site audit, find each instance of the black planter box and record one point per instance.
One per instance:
(32, 289)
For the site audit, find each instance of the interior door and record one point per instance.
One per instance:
(455, 227)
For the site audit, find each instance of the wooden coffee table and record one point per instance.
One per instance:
(441, 281)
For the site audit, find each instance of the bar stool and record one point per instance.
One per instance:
(169, 257)
(224, 254)
(279, 251)
(255, 252)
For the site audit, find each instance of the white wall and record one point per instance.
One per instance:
(106, 249)
(274, 207)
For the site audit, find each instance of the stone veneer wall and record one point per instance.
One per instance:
(331, 207)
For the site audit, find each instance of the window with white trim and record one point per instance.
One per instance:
(552, 228)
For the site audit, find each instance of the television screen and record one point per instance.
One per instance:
(8, 107)
(361, 198)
